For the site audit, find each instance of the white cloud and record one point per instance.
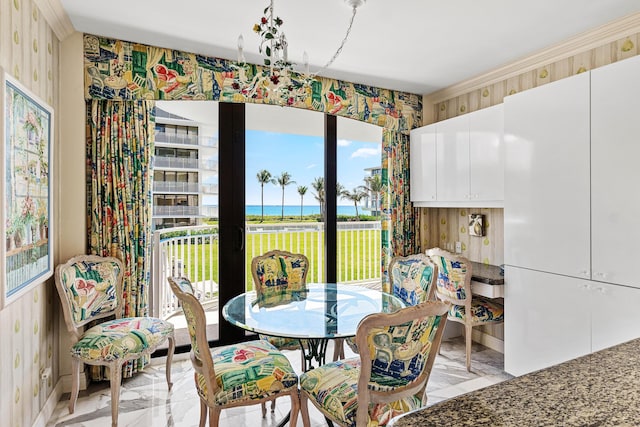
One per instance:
(311, 166)
(366, 152)
(344, 143)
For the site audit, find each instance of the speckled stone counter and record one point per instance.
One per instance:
(600, 389)
(490, 274)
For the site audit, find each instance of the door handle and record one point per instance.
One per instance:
(241, 234)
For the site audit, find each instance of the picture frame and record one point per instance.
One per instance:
(26, 187)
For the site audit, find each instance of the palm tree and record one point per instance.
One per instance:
(318, 185)
(283, 180)
(355, 196)
(302, 190)
(373, 184)
(264, 176)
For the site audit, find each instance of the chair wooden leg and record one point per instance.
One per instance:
(115, 378)
(468, 334)
(172, 347)
(203, 413)
(264, 409)
(75, 383)
(304, 409)
(295, 408)
(214, 417)
(338, 349)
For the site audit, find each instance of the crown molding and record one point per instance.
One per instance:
(599, 36)
(56, 17)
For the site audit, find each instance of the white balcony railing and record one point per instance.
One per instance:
(192, 252)
(204, 141)
(176, 211)
(175, 162)
(209, 211)
(175, 187)
(209, 188)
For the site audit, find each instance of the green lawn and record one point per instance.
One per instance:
(353, 246)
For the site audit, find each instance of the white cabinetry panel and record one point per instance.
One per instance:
(486, 154)
(547, 190)
(615, 172)
(422, 157)
(615, 315)
(547, 319)
(452, 145)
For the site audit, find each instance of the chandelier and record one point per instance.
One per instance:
(278, 81)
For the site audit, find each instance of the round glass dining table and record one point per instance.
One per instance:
(322, 312)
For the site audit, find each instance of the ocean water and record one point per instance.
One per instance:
(289, 210)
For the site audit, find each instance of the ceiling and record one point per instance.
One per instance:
(418, 46)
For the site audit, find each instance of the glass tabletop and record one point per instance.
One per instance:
(322, 311)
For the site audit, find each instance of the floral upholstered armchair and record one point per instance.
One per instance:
(237, 375)
(397, 352)
(90, 288)
(454, 285)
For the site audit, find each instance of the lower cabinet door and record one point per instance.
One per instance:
(615, 315)
(547, 319)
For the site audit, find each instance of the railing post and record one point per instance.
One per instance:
(154, 290)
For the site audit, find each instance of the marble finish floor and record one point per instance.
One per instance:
(145, 401)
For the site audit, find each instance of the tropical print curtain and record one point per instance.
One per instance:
(119, 146)
(122, 70)
(400, 220)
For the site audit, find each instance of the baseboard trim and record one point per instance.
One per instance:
(488, 341)
(49, 406)
(66, 382)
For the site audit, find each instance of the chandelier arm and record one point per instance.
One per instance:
(339, 50)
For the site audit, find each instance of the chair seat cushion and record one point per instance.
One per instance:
(248, 371)
(121, 339)
(482, 310)
(334, 387)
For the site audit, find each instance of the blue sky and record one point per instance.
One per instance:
(303, 157)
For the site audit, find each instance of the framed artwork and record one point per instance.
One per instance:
(26, 188)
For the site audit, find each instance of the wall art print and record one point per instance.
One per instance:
(27, 256)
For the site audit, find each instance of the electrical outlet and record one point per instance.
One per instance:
(458, 247)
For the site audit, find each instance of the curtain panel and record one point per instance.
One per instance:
(123, 71)
(400, 224)
(120, 139)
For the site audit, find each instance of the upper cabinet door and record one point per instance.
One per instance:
(486, 154)
(615, 174)
(547, 190)
(453, 159)
(422, 159)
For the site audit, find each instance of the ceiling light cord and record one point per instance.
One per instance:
(339, 50)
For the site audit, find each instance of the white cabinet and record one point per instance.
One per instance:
(615, 173)
(551, 318)
(422, 171)
(452, 147)
(486, 154)
(469, 161)
(547, 319)
(547, 181)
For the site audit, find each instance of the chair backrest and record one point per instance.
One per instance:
(413, 278)
(277, 271)
(402, 347)
(454, 276)
(197, 326)
(90, 288)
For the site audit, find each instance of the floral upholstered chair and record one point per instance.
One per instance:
(389, 378)
(454, 285)
(413, 279)
(237, 375)
(276, 273)
(90, 288)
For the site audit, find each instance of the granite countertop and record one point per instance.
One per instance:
(600, 389)
(485, 273)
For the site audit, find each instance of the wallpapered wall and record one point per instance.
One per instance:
(29, 52)
(441, 226)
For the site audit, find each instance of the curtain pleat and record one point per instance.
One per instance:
(400, 226)
(119, 147)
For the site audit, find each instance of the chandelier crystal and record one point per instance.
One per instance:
(278, 78)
